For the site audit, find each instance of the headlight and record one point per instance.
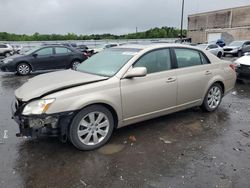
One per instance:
(37, 107)
(7, 60)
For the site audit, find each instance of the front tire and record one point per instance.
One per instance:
(219, 55)
(239, 54)
(23, 69)
(213, 98)
(91, 128)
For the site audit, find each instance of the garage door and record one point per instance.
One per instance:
(212, 37)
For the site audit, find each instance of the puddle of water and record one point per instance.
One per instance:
(111, 149)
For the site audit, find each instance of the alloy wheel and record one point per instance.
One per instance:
(93, 128)
(75, 64)
(23, 69)
(214, 97)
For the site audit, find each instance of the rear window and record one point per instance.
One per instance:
(187, 57)
(61, 50)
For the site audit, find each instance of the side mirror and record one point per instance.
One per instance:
(34, 55)
(136, 72)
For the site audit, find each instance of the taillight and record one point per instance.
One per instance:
(233, 66)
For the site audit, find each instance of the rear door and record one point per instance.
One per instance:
(43, 59)
(63, 57)
(193, 74)
(154, 93)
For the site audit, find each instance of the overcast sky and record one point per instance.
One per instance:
(99, 16)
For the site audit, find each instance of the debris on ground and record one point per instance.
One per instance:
(234, 93)
(121, 178)
(83, 182)
(238, 149)
(132, 138)
(165, 141)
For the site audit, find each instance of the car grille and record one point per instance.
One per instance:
(227, 49)
(244, 67)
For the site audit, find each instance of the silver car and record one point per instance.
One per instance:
(213, 48)
(120, 86)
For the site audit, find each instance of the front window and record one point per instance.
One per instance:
(107, 62)
(45, 51)
(236, 43)
(155, 61)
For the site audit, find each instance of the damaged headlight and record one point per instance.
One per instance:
(37, 107)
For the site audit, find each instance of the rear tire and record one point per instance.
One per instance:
(74, 64)
(23, 69)
(91, 128)
(213, 98)
(7, 54)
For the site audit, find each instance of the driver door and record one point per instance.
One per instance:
(152, 95)
(43, 59)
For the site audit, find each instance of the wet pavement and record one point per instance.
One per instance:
(185, 149)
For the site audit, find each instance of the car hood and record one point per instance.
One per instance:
(53, 82)
(245, 60)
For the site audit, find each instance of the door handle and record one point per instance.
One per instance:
(171, 79)
(208, 72)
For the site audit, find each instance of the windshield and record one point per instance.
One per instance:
(202, 46)
(107, 62)
(236, 43)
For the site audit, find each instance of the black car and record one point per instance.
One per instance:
(43, 58)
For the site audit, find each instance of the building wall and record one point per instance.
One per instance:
(233, 24)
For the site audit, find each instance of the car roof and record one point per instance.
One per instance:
(154, 45)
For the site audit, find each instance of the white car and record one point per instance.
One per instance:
(101, 47)
(213, 48)
(6, 50)
(243, 67)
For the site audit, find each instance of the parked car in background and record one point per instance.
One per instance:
(17, 49)
(43, 58)
(237, 48)
(243, 67)
(220, 43)
(6, 50)
(120, 86)
(71, 45)
(82, 47)
(101, 47)
(213, 48)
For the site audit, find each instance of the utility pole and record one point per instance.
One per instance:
(182, 13)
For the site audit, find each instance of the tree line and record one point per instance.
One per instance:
(163, 32)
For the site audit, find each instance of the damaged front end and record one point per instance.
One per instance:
(41, 125)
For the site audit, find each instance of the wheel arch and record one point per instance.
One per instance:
(109, 107)
(213, 81)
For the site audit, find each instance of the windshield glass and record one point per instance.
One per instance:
(202, 46)
(236, 43)
(107, 62)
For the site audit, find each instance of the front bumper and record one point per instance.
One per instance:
(40, 125)
(6, 68)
